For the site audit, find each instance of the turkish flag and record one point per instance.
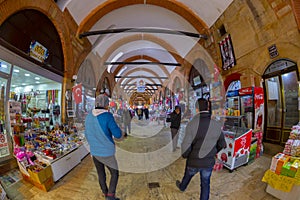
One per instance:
(77, 93)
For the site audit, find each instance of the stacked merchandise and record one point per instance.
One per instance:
(292, 146)
(283, 177)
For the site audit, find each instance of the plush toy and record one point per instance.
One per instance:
(22, 155)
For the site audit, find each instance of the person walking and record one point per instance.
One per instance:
(175, 119)
(203, 140)
(127, 116)
(100, 129)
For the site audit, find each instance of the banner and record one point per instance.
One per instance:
(140, 86)
(227, 54)
(77, 93)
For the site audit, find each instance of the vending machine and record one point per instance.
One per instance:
(252, 107)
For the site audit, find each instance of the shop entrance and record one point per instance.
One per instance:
(281, 102)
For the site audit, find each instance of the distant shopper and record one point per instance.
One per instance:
(127, 116)
(100, 129)
(203, 140)
(175, 119)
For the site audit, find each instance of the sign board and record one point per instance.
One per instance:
(140, 86)
(38, 51)
(278, 66)
(273, 51)
(4, 149)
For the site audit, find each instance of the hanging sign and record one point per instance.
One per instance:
(140, 85)
(38, 51)
(273, 51)
(227, 54)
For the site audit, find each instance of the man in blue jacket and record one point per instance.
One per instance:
(203, 140)
(100, 129)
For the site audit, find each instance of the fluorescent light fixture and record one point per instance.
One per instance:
(16, 70)
(23, 84)
(27, 74)
(3, 65)
(37, 78)
(37, 82)
(13, 85)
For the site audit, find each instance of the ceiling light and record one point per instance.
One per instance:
(27, 74)
(16, 70)
(37, 82)
(23, 84)
(13, 85)
(37, 78)
(3, 65)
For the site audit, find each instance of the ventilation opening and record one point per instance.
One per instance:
(222, 30)
(153, 185)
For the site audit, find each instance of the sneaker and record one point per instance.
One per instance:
(111, 198)
(178, 185)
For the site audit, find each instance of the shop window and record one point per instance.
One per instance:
(5, 66)
(35, 96)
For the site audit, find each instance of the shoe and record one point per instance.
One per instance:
(178, 185)
(111, 198)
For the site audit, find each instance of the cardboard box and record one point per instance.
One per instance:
(281, 162)
(275, 161)
(46, 185)
(41, 176)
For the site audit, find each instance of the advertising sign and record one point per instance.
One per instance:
(38, 51)
(4, 150)
(140, 86)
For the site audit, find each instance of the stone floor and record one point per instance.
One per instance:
(145, 157)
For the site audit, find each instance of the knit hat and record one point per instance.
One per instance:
(101, 101)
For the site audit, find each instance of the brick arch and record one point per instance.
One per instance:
(48, 8)
(139, 57)
(131, 79)
(146, 70)
(147, 37)
(176, 7)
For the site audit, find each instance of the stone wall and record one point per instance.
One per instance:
(254, 25)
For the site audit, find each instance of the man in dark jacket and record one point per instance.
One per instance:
(175, 119)
(203, 140)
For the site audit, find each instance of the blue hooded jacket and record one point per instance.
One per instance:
(100, 128)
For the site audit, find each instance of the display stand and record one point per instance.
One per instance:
(294, 194)
(62, 165)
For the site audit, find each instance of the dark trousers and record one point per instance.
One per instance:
(174, 133)
(112, 165)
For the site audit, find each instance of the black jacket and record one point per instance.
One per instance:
(205, 138)
(175, 120)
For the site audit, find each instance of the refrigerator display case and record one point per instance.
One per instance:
(237, 151)
(232, 107)
(252, 107)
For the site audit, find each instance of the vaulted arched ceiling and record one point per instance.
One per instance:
(195, 16)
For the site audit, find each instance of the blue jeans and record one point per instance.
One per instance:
(205, 174)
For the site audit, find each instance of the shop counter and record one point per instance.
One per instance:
(62, 165)
(294, 194)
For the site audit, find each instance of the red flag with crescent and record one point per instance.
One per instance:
(77, 93)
